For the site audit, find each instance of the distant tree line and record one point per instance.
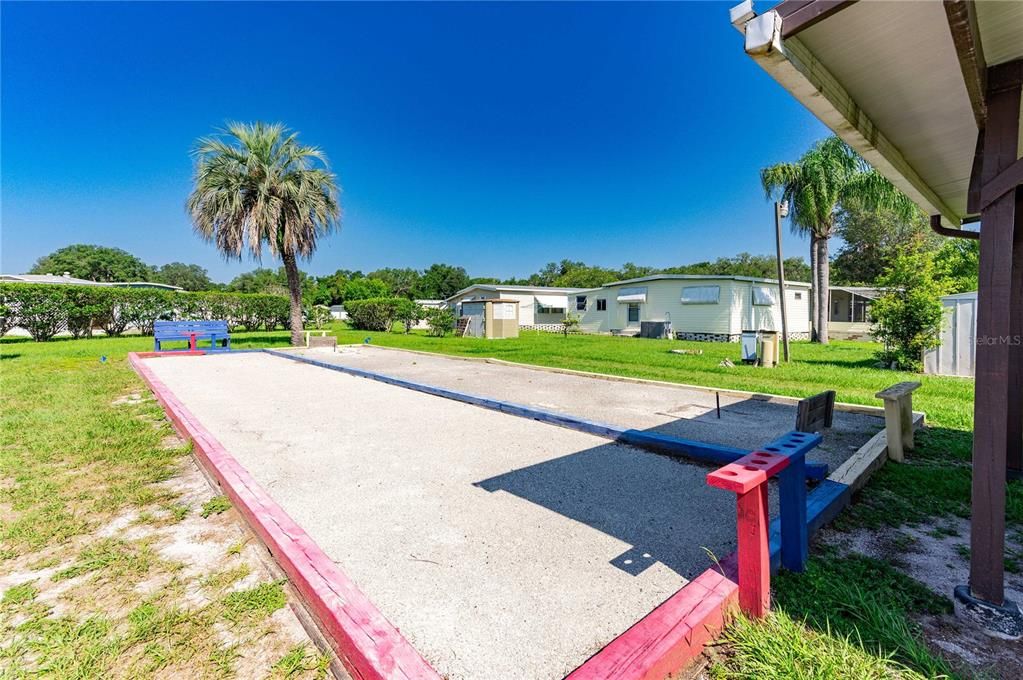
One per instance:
(436, 282)
(871, 242)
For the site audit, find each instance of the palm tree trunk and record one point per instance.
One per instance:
(815, 302)
(823, 284)
(295, 291)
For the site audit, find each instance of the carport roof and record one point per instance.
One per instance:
(902, 82)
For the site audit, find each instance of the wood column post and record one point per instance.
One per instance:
(1014, 452)
(995, 394)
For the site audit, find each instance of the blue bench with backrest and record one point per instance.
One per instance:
(193, 331)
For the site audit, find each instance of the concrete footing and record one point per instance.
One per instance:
(1005, 621)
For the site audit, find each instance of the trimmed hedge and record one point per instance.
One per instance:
(47, 309)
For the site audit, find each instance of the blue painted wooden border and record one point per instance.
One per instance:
(659, 443)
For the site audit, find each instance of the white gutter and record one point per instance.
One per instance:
(796, 69)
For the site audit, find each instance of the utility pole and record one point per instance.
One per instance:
(781, 210)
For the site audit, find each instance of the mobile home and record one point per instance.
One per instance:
(540, 307)
(714, 308)
(849, 311)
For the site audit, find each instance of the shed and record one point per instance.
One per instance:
(491, 318)
(958, 350)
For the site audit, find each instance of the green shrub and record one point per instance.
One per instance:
(570, 324)
(908, 316)
(39, 308)
(319, 316)
(141, 307)
(374, 314)
(274, 311)
(409, 313)
(85, 304)
(112, 318)
(441, 321)
(47, 309)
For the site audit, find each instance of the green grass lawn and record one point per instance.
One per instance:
(68, 461)
(82, 446)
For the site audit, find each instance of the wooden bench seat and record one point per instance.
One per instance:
(898, 418)
(192, 331)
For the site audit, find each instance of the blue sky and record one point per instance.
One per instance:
(494, 136)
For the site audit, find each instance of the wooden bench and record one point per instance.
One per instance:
(192, 331)
(320, 339)
(898, 418)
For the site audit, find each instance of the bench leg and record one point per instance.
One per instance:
(754, 553)
(906, 416)
(792, 502)
(893, 430)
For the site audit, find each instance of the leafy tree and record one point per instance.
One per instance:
(441, 281)
(587, 277)
(826, 177)
(634, 271)
(552, 271)
(95, 263)
(261, 280)
(331, 288)
(488, 280)
(908, 316)
(364, 288)
(872, 239)
(958, 264)
(402, 282)
(257, 187)
(190, 277)
(745, 264)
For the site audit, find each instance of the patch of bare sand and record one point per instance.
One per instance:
(937, 554)
(195, 562)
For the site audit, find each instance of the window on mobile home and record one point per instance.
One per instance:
(763, 295)
(701, 295)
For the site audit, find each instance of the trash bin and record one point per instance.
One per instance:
(768, 349)
(749, 341)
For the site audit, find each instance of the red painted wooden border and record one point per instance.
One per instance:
(667, 639)
(370, 647)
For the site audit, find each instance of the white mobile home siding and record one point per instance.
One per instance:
(527, 299)
(526, 302)
(726, 319)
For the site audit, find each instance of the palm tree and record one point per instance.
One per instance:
(824, 178)
(256, 186)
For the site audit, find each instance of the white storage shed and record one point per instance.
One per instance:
(958, 350)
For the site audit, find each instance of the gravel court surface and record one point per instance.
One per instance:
(501, 547)
(677, 411)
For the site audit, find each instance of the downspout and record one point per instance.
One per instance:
(952, 233)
